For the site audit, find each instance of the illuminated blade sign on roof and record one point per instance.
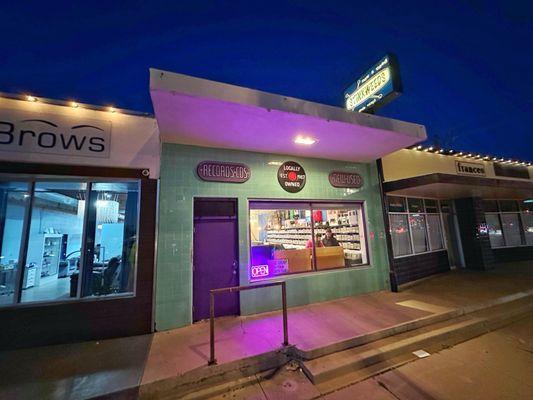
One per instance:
(377, 86)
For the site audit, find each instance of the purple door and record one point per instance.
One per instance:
(215, 260)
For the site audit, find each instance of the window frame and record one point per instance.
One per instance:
(311, 207)
(439, 212)
(123, 175)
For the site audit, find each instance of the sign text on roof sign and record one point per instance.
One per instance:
(376, 87)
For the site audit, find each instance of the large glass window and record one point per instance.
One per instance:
(509, 222)
(76, 239)
(292, 237)
(14, 201)
(396, 204)
(416, 224)
(511, 229)
(401, 243)
(415, 205)
(527, 217)
(435, 232)
(495, 230)
(112, 239)
(54, 244)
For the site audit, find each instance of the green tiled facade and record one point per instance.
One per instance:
(178, 187)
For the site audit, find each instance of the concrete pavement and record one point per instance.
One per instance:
(92, 369)
(495, 366)
(498, 365)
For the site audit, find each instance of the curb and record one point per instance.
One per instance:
(207, 376)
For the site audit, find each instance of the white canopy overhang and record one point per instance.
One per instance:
(200, 112)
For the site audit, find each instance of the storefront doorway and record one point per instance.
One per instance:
(451, 231)
(215, 256)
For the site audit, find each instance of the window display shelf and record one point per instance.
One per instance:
(301, 231)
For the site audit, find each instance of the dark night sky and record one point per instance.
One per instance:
(467, 67)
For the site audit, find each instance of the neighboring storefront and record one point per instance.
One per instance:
(78, 188)
(447, 209)
(258, 187)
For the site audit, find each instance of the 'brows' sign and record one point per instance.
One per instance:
(54, 134)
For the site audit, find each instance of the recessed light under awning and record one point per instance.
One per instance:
(199, 112)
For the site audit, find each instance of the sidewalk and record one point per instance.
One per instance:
(90, 369)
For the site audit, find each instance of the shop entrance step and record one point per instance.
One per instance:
(368, 359)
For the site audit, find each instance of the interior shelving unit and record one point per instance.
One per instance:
(297, 237)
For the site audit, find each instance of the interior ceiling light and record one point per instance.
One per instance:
(305, 140)
(31, 98)
(111, 109)
(73, 104)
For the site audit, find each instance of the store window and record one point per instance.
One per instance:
(54, 244)
(76, 239)
(112, 238)
(511, 229)
(528, 227)
(291, 237)
(495, 230)
(396, 204)
(509, 222)
(526, 207)
(435, 232)
(415, 225)
(415, 205)
(14, 202)
(401, 242)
